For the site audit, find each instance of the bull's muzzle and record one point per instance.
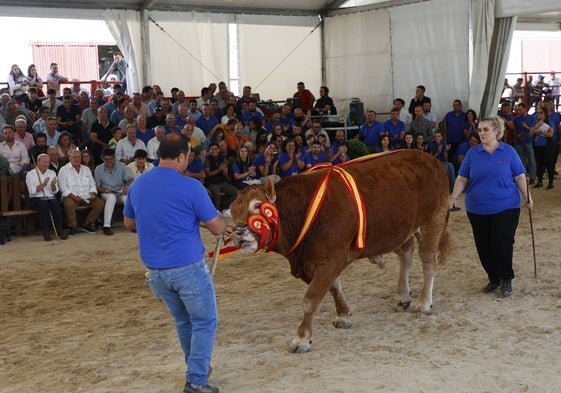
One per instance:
(245, 239)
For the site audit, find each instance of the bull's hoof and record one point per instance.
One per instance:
(427, 311)
(300, 345)
(342, 323)
(403, 305)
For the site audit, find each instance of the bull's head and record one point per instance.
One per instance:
(247, 204)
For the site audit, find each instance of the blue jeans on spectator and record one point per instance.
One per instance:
(526, 153)
(188, 292)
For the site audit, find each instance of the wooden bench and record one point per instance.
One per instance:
(12, 207)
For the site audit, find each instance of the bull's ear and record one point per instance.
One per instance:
(270, 189)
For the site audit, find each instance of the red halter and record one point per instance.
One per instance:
(266, 225)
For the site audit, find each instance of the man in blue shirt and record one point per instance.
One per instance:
(112, 180)
(454, 122)
(370, 131)
(523, 144)
(251, 112)
(395, 129)
(206, 121)
(315, 156)
(170, 245)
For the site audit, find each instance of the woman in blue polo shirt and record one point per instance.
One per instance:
(544, 147)
(494, 179)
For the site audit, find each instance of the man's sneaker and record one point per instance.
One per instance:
(88, 228)
(194, 388)
(72, 232)
(107, 231)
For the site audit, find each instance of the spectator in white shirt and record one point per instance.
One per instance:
(128, 145)
(154, 143)
(78, 188)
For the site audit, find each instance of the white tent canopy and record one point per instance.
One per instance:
(375, 52)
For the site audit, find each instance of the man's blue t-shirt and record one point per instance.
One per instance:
(371, 134)
(310, 160)
(491, 188)
(168, 208)
(518, 120)
(455, 127)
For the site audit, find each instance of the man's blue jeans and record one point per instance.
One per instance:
(188, 292)
(526, 153)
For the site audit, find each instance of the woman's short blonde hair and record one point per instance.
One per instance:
(495, 122)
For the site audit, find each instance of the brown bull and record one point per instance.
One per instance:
(405, 195)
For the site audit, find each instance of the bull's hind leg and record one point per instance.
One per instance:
(321, 282)
(343, 320)
(405, 254)
(428, 238)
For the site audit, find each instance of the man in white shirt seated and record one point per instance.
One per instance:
(43, 188)
(78, 188)
(128, 145)
(154, 143)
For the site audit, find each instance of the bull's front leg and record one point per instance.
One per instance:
(320, 284)
(343, 319)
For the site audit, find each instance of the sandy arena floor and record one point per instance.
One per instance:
(77, 316)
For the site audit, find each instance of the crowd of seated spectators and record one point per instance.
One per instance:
(234, 142)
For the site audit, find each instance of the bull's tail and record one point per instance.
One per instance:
(445, 245)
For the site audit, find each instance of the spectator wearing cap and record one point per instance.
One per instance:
(140, 164)
(539, 87)
(157, 119)
(21, 134)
